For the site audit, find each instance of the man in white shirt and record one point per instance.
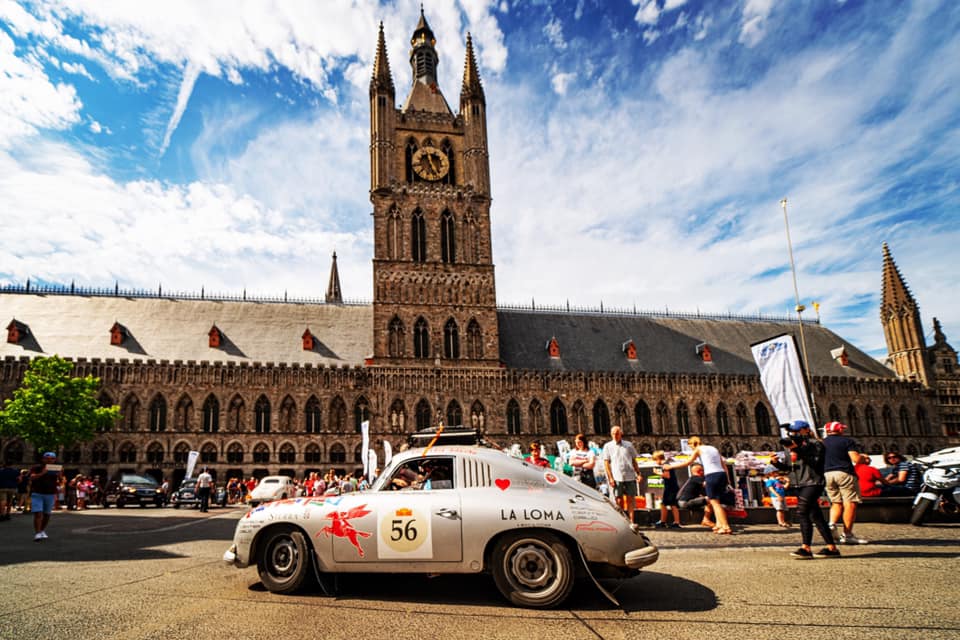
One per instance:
(204, 487)
(620, 462)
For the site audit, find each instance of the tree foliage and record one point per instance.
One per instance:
(52, 408)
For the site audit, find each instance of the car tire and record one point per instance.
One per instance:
(284, 560)
(533, 569)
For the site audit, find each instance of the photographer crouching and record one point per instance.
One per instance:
(803, 459)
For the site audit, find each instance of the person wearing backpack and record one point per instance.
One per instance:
(803, 459)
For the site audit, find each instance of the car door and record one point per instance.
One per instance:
(392, 526)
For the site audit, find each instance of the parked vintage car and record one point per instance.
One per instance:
(132, 488)
(272, 488)
(450, 508)
(186, 495)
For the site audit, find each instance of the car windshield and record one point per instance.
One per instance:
(188, 484)
(135, 479)
(271, 481)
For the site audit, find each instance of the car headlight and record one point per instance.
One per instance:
(130, 490)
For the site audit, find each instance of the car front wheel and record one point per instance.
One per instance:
(284, 561)
(533, 569)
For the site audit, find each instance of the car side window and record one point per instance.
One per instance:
(423, 474)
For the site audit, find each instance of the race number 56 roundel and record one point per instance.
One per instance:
(404, 533)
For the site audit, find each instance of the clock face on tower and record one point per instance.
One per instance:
(430, 163)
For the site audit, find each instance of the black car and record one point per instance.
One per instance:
(186, 495)
(132, 488)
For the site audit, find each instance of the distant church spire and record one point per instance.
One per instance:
(423, 55)
(472, 87)
(334, 295)
(902, 328)
(382, 78)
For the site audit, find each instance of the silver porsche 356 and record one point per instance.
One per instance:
(456, 507)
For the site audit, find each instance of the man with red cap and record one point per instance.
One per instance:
(843, 487)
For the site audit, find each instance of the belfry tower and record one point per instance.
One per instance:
(434, 298)
(900, 316)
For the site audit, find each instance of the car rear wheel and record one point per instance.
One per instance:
(284, 561)
(533, 569)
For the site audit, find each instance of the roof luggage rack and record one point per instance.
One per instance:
(447, 435)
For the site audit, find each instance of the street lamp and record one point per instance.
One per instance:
(800, 309)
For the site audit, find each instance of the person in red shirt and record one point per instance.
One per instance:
(536, 455)
(870, 478)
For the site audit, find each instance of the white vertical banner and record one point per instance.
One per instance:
(192, 462)
(387, 453)
(365, 447)
(371, 465)
(782, 378)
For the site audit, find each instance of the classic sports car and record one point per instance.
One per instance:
(449, 509)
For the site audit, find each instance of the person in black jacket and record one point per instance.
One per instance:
(804, 460)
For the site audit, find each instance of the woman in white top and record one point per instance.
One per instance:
(714, 479)
(583, 460)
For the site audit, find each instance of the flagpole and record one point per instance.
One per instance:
(800, 309)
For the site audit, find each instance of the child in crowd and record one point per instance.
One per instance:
(777, 492)
(670, 490)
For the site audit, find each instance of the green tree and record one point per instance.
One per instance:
(52, 408)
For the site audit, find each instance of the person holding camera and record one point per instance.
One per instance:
(803, 460)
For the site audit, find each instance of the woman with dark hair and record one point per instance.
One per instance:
(583, 460)
(536, 455)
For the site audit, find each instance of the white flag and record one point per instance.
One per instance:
(782, 378)
(192, 462)
(365, 433)
(387, 453)
(371, 465)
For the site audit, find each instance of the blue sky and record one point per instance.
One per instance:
(639, 148)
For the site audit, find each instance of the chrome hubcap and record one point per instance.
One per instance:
(531, 565)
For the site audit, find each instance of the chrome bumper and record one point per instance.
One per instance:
(642, 557)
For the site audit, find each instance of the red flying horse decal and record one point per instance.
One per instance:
(341, 527)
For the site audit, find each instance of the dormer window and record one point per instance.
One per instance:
(553, 348)
(308, 340)
(703, 350)
(118, 333)
(840, 356)
(630, 350)
(216, 337)
(16, 331)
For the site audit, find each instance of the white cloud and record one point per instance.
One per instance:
(647, 13)
(554, 32)
(650, 36)
(29, 101)
(670, 5)
(190, 75)
(561, 81)
(754, 21)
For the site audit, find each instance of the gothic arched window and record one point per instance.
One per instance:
(418, 237)
(762, 418)
(408, 152)
(287, 454)
(184, 413)
(702, 419)
(447, 150)
(642, 418)
(663, 417)
(311, 454)
(287, 410)
(130, 412)
(312, 415)
(261, 454)
(424, 414)
(155, 453)
(394, 239)
(579, 412)
(601, 418)
(454, 414)
(211, 415)
(741, 419)
(448, 244)
(421, 339)
(870, 417)
(128, 453)
(558, 418)
(338, 414)
(451, 339)
(474, 340)
(396, 338)
(158, 414)
(235, 453)
(338, 455)
(887, 416)
(904, 421)
(513, 418)
(536, 416)
(235, 414)
(361, 412)
(683, 419)
(261, 414)
(723, 421)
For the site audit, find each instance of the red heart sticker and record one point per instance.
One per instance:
(502, 483)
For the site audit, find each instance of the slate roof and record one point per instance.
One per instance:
(177, 329)
(594, 342)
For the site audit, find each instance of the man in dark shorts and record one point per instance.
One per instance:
(44, 480)
(620, 463)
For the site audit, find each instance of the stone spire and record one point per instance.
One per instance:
(382, 78)
(472, 88)
(902, 328)
(896, 294)
(334, 294)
